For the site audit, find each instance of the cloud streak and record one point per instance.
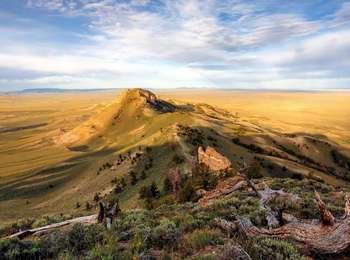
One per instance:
(163, 43)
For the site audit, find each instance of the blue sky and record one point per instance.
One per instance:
(169, 43)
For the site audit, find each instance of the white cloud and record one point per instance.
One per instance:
(186, 42)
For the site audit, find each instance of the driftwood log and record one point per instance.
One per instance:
(274, 217)
(106, 214)
(92, 219)
(327, 235)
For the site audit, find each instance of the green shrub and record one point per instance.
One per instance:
(205, 257)
(20, 249)
(165, 234)
(108, 249)
(187, 193)
(254, 171)
(200, 238)
(203, 178)
(141, 240)
(167, 186)
(272, 249)
(81, 238)
(55, 242)
(150, 191)
(21, 224)
(132, 219)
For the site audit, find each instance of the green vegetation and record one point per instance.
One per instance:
(200, 238)
(129, 158)
(176, 230)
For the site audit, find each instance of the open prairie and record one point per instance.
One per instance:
(318, 112)
(40, 175)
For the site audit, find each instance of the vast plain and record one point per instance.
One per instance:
(35, 169)
(184, 165)
(318, 112)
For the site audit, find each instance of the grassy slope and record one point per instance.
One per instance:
(64, 186)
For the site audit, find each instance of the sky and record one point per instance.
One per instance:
(240, 44)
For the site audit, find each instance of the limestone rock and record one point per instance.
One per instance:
(214, 160)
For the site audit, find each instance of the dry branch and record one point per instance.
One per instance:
(326, 216)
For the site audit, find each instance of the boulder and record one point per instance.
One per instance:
(214, 160)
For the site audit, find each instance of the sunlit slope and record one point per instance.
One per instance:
(83, 152)
(323, 112)
(131, 123)
(131, 111)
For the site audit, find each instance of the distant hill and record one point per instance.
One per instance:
(59, 90)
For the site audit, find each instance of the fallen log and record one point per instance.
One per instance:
(92, 219)
(106, 214)
(273, 217)
(320, 236)
(223, 188)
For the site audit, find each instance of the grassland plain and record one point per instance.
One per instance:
(38, 176)
(318, 112)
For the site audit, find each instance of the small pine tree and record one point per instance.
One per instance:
(97, 197)
(143, 175)
(167, 186)
(154, 190)
(87, 206)
(143, 192)
(123, 182)
(133, 178)
(187, 192)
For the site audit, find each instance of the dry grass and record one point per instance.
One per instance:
(24, 190)
(325, 113)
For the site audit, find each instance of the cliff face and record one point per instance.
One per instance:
(214, 160)
(148, 98)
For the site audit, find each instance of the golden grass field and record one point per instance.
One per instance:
(325, 113)
(30, 161)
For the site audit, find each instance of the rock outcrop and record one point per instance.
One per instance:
(149, 98)
(214, 160)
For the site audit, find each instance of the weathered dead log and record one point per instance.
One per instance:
(92, 219)
(317, 237)
(332, 238)
(273, 217)
(106, 214)
(229, 226)
(223, 188)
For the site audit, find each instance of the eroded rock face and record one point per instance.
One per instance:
(214, 160)
(155, 102)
